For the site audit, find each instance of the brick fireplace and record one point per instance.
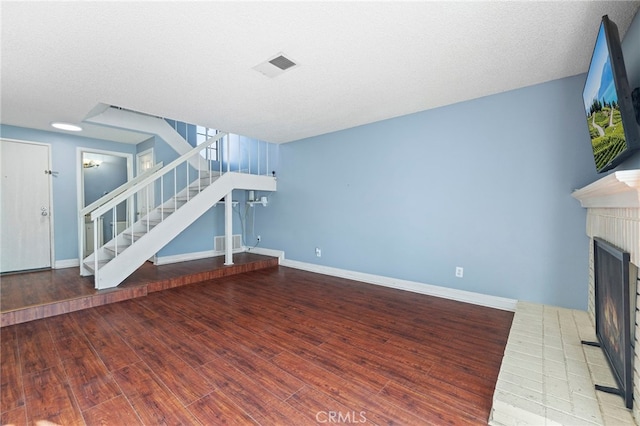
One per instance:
(613, 213)
(547, 376)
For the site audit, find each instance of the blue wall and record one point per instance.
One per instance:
(631, 54)
(98, 181)
(484, 184)
(64, 158)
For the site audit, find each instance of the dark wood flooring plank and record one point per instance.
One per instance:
(35, 345)
(112, 350)
(12, 389)
(271, 377)
(49, 397)
(216, 409)
(186, 346)
(320, 408)
(150, 398)
(116, 411)
(250, 396)
(358, 398)
(433, 407)
(17, 417)
(178, 376)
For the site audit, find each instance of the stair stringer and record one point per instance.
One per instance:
(129, 120)
(120, 267)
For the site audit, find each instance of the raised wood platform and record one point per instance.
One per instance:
(278, 346)
(34, 295)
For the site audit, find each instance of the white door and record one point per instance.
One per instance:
(25, 206)
(145, 199)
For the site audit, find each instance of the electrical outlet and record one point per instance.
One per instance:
(318, 252)
(459, 271)
(258, 238)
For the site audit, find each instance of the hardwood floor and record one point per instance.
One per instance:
(41, 294)
(271, 347)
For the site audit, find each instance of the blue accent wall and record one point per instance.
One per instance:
(484, 184)
(631, 54)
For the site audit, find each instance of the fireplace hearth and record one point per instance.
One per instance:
(547, 376)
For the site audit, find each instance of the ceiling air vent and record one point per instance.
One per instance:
(275, 66)
(282, 63)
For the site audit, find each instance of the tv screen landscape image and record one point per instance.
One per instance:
(606, 97)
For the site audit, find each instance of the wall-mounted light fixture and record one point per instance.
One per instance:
(87, 164)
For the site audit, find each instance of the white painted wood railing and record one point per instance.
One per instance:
(176, 184)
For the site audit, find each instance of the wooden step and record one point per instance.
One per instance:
(90, 265)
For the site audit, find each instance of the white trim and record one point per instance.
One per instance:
(619, 189)
(267, 252)
(66, 263)
(496, 302)
(185, 257)
(80, 150)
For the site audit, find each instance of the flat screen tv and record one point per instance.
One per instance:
(614, 130)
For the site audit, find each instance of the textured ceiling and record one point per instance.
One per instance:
(358, 62)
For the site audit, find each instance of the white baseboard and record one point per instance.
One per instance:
(185, 257)
(496, 302)
(267, 252)
(67, 263)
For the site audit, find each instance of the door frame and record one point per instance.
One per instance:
(80, 185)
(152, 198)
(52, 245)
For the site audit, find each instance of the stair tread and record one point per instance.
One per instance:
(120, 248)
(90, 265)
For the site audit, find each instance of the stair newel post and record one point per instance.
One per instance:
(175, 189)
(228, 229)
(114, 229)
(162, 195)
(200, 168)
(132, 217)
(96, 273)
(186, 164)
(228, 152)
(219, 151)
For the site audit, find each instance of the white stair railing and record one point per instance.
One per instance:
(176, 183)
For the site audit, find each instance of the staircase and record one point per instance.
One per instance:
(188, 187)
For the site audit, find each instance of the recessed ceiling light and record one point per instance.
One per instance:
(66, 126)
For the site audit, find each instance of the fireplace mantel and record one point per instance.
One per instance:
(617, 190)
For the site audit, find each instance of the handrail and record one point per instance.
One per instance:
(112, 194)
(143, 182)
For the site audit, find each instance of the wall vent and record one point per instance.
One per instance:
(219, 245)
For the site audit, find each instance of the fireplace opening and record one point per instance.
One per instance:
(615, 305)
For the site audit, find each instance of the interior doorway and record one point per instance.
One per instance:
(100, 173)
(146, 197)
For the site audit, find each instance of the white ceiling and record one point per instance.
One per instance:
(359, 62)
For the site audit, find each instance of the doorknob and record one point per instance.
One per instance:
(44, 211)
